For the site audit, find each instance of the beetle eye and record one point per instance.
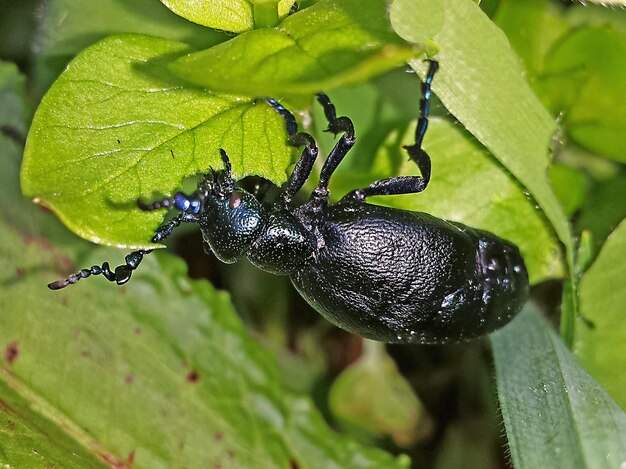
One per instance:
(234, 200)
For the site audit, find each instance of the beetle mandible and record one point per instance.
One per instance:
(385, 274)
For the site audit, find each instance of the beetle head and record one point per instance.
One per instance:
(231, 217)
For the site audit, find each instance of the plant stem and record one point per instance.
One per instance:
(265, 13)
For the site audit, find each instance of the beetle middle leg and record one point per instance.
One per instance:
(304, 165)
(342, 147)
(407, 184)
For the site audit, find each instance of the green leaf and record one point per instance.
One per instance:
(327, 45)
(65, 30)
(604, 209)
(601, 348)
(160, 374)
(115, 128)
(229, 15)
(555, 414)
(416, 20)
(371, 396)
(458, 162)
(584, 77)
(569, 186)
(25, 436)
(14, 114)
(532, 27)
(155, 371)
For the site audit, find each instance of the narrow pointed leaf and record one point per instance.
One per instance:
(555, 414)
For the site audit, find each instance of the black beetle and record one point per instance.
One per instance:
(385, 274)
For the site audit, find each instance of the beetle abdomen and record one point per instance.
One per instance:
(399, 276)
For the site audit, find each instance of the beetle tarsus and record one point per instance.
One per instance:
(156, 205)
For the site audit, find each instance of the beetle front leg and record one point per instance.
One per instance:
(122, 273)
(164, 231)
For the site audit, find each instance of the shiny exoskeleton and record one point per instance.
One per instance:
(385, 274)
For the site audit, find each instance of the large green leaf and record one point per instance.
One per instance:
(555, 414)
(329, 44)
(229, 15)
(162, 371)
(115, 128)
(602, 348)
(26, 436)
(160, 374)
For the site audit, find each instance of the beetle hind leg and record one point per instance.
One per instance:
(407, 184)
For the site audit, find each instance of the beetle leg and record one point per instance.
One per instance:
(341, 148)
(164, 231)
(304, 165)
(407, 184)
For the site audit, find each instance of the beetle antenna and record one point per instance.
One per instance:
(120, 275)
(165, 203)
(223, 182)
(185, 203)
(226, 161)
(123, 272)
